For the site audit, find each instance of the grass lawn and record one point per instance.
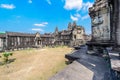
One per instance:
(34, 64)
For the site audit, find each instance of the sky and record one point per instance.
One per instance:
(43, 16)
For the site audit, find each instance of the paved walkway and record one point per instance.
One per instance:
(115, 60)
(86, 67)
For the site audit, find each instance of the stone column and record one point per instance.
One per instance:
(118, 22)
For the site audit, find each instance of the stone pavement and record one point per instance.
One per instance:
(86, 67)
(115, 60)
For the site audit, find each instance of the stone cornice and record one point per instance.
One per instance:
(98, 6)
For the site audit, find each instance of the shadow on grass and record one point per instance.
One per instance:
(1, 63)
(9, 61)
(68, 62)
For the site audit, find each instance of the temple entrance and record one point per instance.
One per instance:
(38, 41)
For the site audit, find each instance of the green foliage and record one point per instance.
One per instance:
(6, 56)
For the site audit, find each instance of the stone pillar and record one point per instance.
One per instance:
(101, 14)
(100, 17)
(6, 42)
(118, 22)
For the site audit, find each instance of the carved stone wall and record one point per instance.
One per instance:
(105, 19)
(100, 19)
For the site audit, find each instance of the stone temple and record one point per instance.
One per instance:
(102, 54)
(74, 35)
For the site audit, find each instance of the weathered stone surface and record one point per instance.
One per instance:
(74, 71)
(115, 60)
(100, 18)
(118, 21)
(87, 67)
(105, 18)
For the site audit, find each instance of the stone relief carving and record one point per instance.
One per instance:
(99, 14)
(106, 29)
(101, 32)
(97, 20)
(95, 32)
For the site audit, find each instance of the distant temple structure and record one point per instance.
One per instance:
(73, 36)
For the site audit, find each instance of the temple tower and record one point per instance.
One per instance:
(56, 30)
(69, 26)
(74, 25)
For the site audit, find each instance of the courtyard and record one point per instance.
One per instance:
(34, 64)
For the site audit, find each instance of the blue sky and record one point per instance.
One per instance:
(43, 15)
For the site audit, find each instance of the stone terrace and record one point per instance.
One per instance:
(86, 67)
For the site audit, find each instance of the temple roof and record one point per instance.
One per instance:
(65, 32)
(2, 35)
(19, 34)
(47, 35)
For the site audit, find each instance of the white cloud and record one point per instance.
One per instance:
(87, 5)
(77, 15)
(45, 23)
(73, 4)
(77, 5)
(7, 6)
(49, 2)
(30, 1)
(41, 24)
(74, 18)
(37, 29)
(85, 17)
